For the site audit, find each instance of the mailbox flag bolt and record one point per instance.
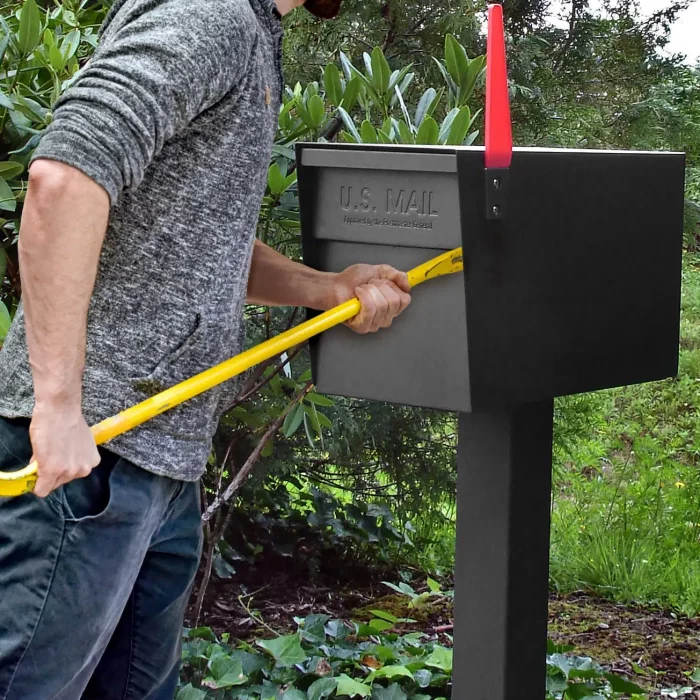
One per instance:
(496, 184)
(496, 210)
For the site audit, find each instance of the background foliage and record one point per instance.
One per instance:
(377, 480)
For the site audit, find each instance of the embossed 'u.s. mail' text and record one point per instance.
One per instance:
(392, 207)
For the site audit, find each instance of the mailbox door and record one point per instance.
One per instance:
(399, 208)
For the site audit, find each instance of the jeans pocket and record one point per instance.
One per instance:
(90, 497)
(15, 446)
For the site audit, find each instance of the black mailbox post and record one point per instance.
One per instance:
(572, 284)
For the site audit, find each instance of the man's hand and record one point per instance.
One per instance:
(383, 291)
(277, 281)
(63, 447)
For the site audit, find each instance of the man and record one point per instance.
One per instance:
(137, 251)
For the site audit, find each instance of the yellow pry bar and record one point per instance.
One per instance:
(23, 480)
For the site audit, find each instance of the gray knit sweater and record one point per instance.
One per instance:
(174, 116)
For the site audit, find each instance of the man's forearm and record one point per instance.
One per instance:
(275, 280)
(62, 230)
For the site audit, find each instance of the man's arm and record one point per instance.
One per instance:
(275, 280)
(63, 226)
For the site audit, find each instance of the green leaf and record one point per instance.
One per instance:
(379, 625)
(441, 658)
(405, 133)
(622, 685)
(460, 126)
(5, 321)
(433, 585)
(7, 198)
(227, 672)
(190, 693)
(292, 421)
(447, 125)
(332, 84)
(304, 114)
(317, 110)
(446, 76)
(383, 615)
(10, 169)
(474, 72)
(581, 691)
(393, 692)
(348, 68)
(275, 179)
(29, 27)
(373, 94)
(352, 92)
(324, 420)
(294, 694)
(390, 672)
(695, 675)
(471, 138)
(368, 64)
(70, 44)
(202, 633)
(403, 108)
(56, 58)
(322, 688)
(456, 60)
(423, 104)
(312, 413)
(5, 101)
(286, 649)
(380, 70)
(352, 688)
(368, 132)
(428, 132)
(307, 430)
(350, 125)
(318, 399)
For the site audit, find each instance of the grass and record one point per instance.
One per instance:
(626, 516)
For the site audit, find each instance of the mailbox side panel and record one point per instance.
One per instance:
(385, 208)
(578, 288)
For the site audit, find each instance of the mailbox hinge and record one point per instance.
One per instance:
(498, 136)
(496, 186)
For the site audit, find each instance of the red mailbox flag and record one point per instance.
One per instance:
(499, 138)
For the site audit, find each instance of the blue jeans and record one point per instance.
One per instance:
(94, 581)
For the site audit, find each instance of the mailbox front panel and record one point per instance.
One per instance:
(402, 211)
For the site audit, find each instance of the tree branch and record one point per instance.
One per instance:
(247, 467)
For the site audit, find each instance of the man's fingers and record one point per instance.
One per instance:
(400, 279)
(45, 483)
(391, 306)
(363, 321)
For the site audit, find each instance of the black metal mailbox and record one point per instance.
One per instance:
(577, 288)
(571, 283)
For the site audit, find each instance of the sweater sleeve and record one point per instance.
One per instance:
(164, 63)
